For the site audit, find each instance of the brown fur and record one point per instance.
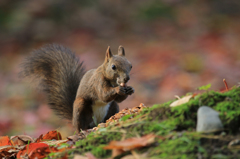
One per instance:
(103, 84)
(59, 71)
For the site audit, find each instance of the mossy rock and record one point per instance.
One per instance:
(177, 129)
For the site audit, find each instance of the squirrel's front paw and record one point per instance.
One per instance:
(125, 90)
(121, 90)
(129, 90)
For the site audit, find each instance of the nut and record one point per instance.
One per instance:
(123, 84)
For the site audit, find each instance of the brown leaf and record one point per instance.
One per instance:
(181, 101)
(90, 155)
(131, 143)
(55, 142)
(8, 151)
(79, 157)
(124, 112)
(74, 138)
(21, 140)
(136, 156)
(116, 152)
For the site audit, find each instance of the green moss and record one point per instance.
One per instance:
(181, 145)
(176, 128)
(100, 141)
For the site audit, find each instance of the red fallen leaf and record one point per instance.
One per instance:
(49, 136)
(30, 148)
(52, 135)
(131, 143)
(5, 140)
(39, 139)
(42, 152)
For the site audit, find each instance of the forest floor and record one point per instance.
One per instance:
(160, 131)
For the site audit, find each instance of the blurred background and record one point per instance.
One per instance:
(175, 46)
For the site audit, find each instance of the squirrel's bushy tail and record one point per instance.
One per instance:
(58, 73)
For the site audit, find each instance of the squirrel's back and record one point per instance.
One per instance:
(58, 73)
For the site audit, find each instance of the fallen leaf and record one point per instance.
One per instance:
(55, 142)
(234, 144)
(39, 139)
(8, 151)
(116, 152)
(42, 152)
(138, 156)
(181, 101)
(90, 155)
(52, 135)
(79, 157)
(131, 143)
(21, 140)
(124, 112)
(30, 148)
(5, 140)
(49, 136)
(74, 138)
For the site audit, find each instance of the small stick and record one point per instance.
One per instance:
(225, 84)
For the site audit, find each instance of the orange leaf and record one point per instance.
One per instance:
(42, 152)
(52, 135)
(5, 140)
(131, 143)
(28, 149)
(49, 136)
(39, 139)
(116, 152)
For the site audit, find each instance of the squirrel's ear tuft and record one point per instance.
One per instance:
(108, 54)
(121, 51)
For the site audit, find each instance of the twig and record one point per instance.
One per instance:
(225, 82)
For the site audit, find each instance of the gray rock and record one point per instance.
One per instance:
(208, 120)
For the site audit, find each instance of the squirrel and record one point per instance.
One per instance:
(85, 98)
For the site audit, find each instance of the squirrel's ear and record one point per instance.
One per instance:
(108, 54)
(121, 51)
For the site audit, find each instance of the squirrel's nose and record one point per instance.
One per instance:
(126, 79)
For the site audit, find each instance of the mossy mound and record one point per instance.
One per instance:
(176, 128)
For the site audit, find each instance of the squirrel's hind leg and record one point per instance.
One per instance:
(82, 114)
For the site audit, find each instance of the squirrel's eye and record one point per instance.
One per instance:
(113, 67)
(131, 66)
